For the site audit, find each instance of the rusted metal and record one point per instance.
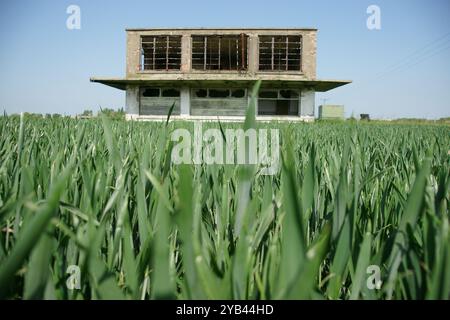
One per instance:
(220, 48)
(205, 59)
(242, 51)
(154, 53)
(287, 53)
(219, 52)
(161, 52)
(167, 53)
(273, 53)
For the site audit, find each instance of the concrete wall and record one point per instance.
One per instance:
(185, 101)
(132, 100)
(307, 102)
(188, 105)
(308, 53)
(218, 107)
(158, 106)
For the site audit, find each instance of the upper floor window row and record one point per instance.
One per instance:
(221, 52)
(280, 53)
(160, 52)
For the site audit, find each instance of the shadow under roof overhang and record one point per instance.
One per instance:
(317, 85)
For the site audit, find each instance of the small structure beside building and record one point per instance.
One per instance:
(209, 73)
(331, 112)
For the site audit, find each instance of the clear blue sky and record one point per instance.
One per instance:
(402, 70)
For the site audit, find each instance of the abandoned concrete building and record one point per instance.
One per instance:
(209, 73)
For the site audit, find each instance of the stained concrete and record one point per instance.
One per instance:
(308, 64)
(187, 78)
(307, 102)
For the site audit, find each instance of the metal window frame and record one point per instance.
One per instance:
(168, 65)
(242, 63)
(194, 96)
(272, 54)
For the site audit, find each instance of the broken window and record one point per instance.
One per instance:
(172, 93)
(219, 52)
(160, 52)
(288, 94)
(268, 94)
(280, 53)
(150, 92)
(160, 92)
(238, 93)
(278, 102)
(219, 93)
(201, 93)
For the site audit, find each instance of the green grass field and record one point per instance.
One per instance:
(103, 196)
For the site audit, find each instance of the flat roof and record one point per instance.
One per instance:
(319, 85)
(227, 28)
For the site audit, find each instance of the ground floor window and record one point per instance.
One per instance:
(160, 92)
(215, 93)
(278, 102)
(158, 101)
(218, 101)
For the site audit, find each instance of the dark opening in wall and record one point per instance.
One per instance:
(160, 52)
(201, 93)
(238, 93)
(171, 93)
(278, 102)
(219, 93)
(219, 52)
(268, 94)
(150, 92)
(280, 53)
(288, 94)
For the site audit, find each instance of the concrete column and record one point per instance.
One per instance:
(309, 50)
(185, 101)
(249, 99)
(253, 53)
(186, 53)
(132, 101)
(133, 53)
(307, 102)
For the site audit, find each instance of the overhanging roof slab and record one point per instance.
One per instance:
(317, 85)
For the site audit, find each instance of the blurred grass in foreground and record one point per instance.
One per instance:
(103, 195)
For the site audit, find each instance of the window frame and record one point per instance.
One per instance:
(161, 89)
(279, 96)
(225, 35)
(230, 96)
(287, 70)
(142, 58)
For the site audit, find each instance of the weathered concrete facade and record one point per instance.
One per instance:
(205, 73)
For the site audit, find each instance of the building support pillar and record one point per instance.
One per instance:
(186, 53)
(132, 102)
(253, 54)
(249, 99)
(307, 103)
(185, 101)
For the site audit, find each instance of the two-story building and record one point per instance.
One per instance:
(209, 73)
